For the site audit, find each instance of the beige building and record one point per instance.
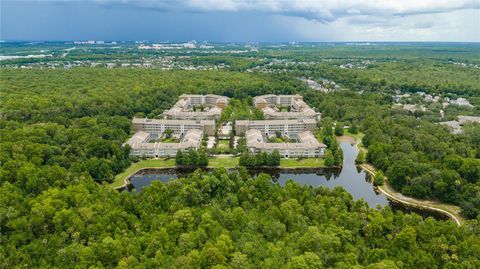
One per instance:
(184, 108)
(276, 100)
(456, 125)
(290, 128)
(468, 119)
(141, 147)
(307, 146)
(185, 123)
(179, 127)
(270, 104)
(209, 99)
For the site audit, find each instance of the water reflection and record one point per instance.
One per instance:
(352, 178)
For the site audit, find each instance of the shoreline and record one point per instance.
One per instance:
(126, 180)
(452, 211)
(430, 205)
(227, 162)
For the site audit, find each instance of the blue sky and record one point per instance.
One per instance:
(241, 20)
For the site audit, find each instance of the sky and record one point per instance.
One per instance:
(241, 20)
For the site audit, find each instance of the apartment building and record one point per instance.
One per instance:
(208, 99)
(184, 108)
(179, 127)
(140, 146)
(275, 100)
(298, 109)
(307, 146)
(177, 113)
(290, 128)
(275, 114)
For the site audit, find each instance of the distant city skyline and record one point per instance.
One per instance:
(241, 21)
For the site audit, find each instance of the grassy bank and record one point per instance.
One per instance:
(149, 163)
(302, 163)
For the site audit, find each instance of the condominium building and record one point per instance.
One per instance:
(468, 119)
(209, 99)
(141, 147)
(271, 106)
(290, 128)
(179, 127)
(276, 114)
(176, 113)
(307, 146)
(212, 106)
(275, 100)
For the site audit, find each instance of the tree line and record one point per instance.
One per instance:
(248, 159)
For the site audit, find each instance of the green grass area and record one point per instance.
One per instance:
(223, 144)
(226, 162)
(223, 147)
(302, 163)
(171, 140)
(358, 136)
(149, 163)
(275, 139)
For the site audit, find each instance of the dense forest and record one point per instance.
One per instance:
(422, 159)
(223, 220)
(61, 135)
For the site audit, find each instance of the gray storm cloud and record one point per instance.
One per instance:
(322, 11)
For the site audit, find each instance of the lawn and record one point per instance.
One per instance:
(358, 136)
(275, 139)
(171, 140)
(223, 144)
(223, 147)
(149, 163)
(226, 162)
(302, 163)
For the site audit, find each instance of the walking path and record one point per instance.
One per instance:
(452, 211)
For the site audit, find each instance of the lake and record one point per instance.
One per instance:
(351, 177)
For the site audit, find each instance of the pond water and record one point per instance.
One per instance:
(352, 178)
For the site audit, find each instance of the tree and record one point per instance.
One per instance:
(308, 260)
(275, 157)
(470, 170)
(168, 133)
(231, 141)
(379, 178)
(339, 129)
(353, 128)
(338, 157)
(329, 160)
(179, 158)
(327, 127)
(202, 158)
(360, 159)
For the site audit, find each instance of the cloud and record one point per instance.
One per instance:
(243, 20)
(322, 10)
